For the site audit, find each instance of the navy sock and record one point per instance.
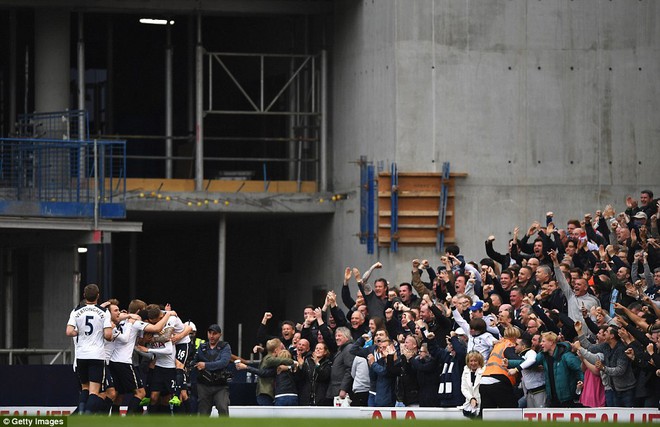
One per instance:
(134, 406)
(107, 407)
(95, 405)
(178, 382)
(84, 395)
(115, 410)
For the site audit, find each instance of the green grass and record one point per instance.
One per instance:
(165, 421)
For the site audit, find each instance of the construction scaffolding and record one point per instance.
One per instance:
(51, 168)
(298, 94)
(45, 177)
(57, 125)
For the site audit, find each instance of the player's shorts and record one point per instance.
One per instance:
(126, 379)
(146, 377)
(90, 370)
(108, 380)
(163, 380)
(182, 352)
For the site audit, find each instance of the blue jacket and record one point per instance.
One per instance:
(384, 382)
(216, 359)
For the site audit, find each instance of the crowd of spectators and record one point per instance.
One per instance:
(561, 317)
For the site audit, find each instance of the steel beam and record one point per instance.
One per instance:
(270, 7)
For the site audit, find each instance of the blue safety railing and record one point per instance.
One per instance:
(394, 216)
(55, 125)
(364, 197)
(442, 212)
(371, 201)
(62, 178)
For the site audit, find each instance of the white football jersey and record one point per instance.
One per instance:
(108, 348)
(178, 326)
(125, 340)
(90, 321)
(164, 352)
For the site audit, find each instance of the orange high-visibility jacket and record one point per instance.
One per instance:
(494, 365)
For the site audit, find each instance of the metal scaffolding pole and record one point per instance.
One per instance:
(75, 282)
(168, 104)
(81, 95)
(190, 59)
(323, 152)
(110, 104)
(199, 112)
(81, 76)
(222, 255)
(12, 70)
(292, 123)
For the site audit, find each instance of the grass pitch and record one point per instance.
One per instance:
(167, 421)
(194, 421)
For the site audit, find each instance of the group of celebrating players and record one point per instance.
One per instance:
(105, 339)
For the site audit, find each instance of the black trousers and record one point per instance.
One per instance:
(498, 395)
(359, 399)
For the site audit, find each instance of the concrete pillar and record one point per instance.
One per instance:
(59, 273)
(7, 268)
(52, 66)
(132, 266)
(222, 251)
(199, 110)
(12, 71)
(110, 90)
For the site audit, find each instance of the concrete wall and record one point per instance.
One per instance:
(546, 105)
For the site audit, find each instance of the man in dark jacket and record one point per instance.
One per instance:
(451, 361)
(211, 361)
(428, 377)
(616, 366)
(340, 376)
(385, 380)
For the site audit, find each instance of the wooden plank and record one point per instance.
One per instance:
(413, 226)
(217, 186)
(415, 213)
(426, 244)
(427, 174)
(419, 204)
(384, 240)
(411, 220)
(417, 240)
(408, 232)
(407, 193)
(416, 243)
